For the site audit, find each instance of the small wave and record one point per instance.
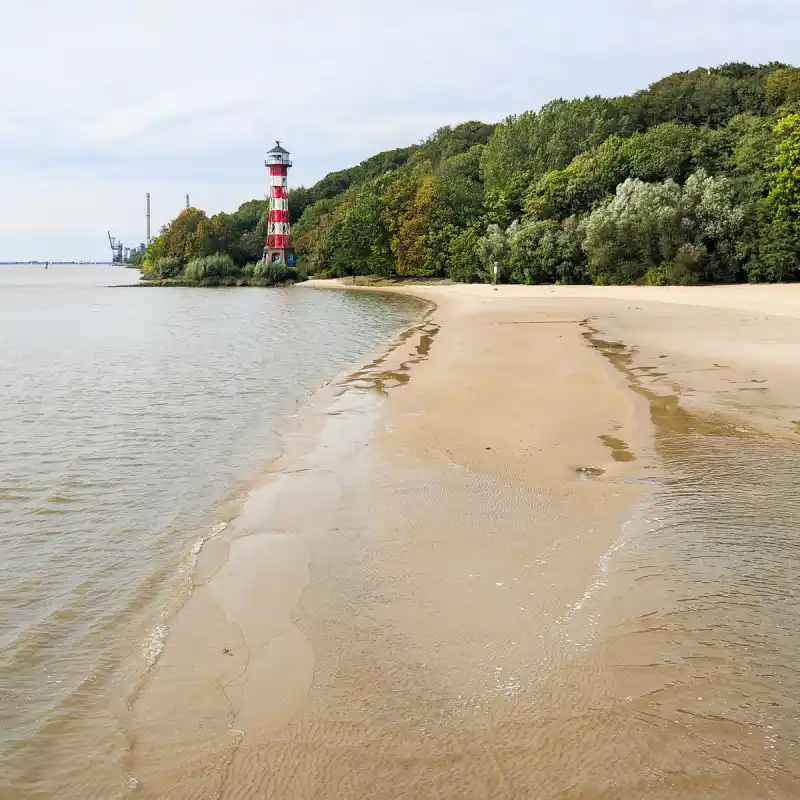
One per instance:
(215, 531)
(630, 529)
(154, 644)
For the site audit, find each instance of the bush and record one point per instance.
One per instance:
(168, 267)
(271, 272)
(545, 252)
(211, 269)
(195, 270)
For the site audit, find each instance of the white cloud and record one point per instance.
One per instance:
(102, 102)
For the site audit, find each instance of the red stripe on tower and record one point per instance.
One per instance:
(278, 248)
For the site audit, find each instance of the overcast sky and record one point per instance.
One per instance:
(103, 101)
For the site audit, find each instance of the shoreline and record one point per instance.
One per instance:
(227, 566)
(698, 352)
(415, 570)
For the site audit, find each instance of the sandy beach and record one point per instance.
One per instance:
(422, 598)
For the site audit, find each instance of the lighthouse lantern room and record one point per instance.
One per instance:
(278, 248)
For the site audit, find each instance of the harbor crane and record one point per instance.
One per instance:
(116, 249)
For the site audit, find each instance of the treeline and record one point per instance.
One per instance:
(695, 179)
(223, 250)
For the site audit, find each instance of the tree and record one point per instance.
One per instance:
(700, 97)
(360, 242)
(528, 146)
(179, 234)
(777, 255)
(590, 177)
(493, 248)
(751, 155)
(413, 206)
(783, 86)
(785, 194)
(448, 142)
(545, 252)
(665, 151)
(665, 233)
(313, 235)
(462, 262)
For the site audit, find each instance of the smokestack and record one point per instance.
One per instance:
(147, 217)
(187, 201)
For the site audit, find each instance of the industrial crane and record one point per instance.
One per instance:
(116, 249)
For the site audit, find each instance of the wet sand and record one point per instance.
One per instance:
(408, 605)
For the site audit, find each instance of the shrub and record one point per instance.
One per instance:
(271, 272)
(211, 269)
(195, 270)
(168, 267)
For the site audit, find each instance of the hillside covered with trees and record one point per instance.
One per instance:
(695, 179)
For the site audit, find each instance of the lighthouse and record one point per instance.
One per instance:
(278, 248)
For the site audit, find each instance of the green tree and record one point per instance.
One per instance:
(412, 210)
(777, 254)
(665, 233)
(783, 86)
(751, 155)
(493, 248)
(545, 252)
(462, 263)
(179, 239)
(700, 97)
(785, 194)
(360, 241)
(590, 177)
(528, 146)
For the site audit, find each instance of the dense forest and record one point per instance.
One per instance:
(695, 179)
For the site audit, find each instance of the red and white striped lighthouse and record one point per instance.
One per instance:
(278, 248)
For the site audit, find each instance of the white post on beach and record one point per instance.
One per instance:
(495, 274)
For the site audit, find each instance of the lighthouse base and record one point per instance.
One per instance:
(279, 255)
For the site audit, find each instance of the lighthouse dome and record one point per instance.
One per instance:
(278, 156)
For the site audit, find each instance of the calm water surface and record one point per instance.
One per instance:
(127, 417)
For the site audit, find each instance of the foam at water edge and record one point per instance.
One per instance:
(629, 532)
(154, 643)
(215, 531)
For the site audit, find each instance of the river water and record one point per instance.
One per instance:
(131, 419)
